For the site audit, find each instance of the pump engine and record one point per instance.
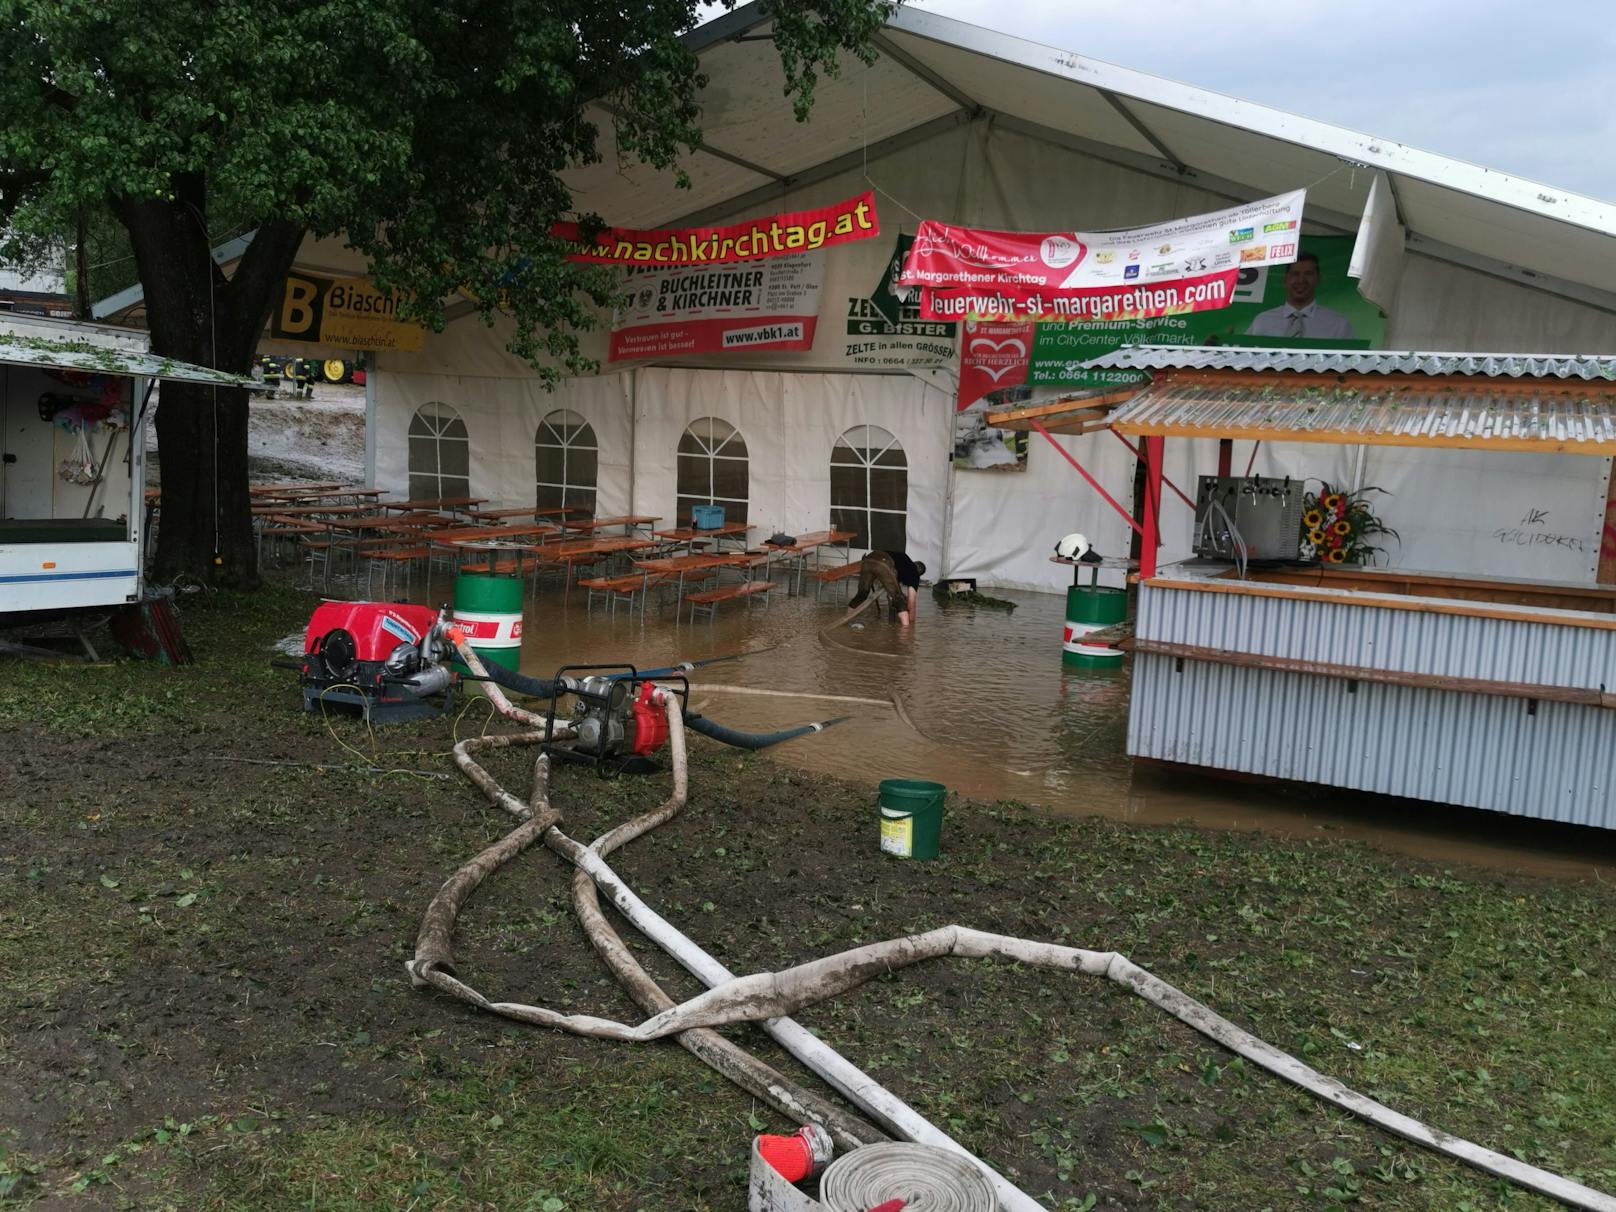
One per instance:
(388, 660)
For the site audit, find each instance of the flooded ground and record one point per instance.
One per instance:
(986, 707)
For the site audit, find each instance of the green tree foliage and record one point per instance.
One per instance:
(431, 134)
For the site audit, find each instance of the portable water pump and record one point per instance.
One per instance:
(393, 662)
(617, 723)
(388, 660)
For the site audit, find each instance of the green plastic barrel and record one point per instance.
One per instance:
(1089, 608)
(489, 608)
(911, 817)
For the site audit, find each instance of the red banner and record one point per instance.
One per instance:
(1168, 268)
(993, 355)
(771, 236)
(712, 336)
(762, 305)
(1140, 301)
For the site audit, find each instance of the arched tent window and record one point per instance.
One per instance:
(565, 456)
(440, 454)
(869, 488)
(712, 470)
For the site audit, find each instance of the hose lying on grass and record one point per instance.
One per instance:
(434, 956)
(768, 996)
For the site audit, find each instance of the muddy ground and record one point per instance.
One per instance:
(207, 895)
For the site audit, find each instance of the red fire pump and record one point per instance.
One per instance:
(388, 660)
(619, 718)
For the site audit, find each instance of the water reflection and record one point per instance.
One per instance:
(996, 716)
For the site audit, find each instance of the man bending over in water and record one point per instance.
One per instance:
(899, 578)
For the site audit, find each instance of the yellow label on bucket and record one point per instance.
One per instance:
(897, 833)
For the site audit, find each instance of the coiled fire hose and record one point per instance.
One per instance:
(931, 1179)
(769, 996)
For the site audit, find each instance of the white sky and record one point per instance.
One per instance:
(1522, 87)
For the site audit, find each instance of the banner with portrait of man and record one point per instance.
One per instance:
(1309, 304)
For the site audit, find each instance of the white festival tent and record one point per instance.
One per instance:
(970, 126)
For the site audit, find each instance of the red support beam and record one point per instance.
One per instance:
(1165, 480)
(1150, 538)
(1225, 456)
(1095, 484)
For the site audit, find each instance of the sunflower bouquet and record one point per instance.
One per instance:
(1338, 527)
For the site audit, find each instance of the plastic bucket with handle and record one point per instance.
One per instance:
(911, 817)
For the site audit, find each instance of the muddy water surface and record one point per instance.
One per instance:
(988, 709)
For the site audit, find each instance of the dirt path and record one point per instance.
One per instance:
(317, 439)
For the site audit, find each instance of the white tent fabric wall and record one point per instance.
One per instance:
(1444, 308)
(1539, 517)
(790, 423)
(1006, 523)
(502, 418)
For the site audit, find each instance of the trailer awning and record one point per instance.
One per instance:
(51, 354)
(1369, 398)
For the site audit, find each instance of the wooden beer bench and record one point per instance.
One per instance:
(709, 600)
(835, 573)
(621, 588)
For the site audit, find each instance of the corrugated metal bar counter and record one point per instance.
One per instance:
(1491, 704)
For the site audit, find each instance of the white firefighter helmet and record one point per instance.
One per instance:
(1073, 547)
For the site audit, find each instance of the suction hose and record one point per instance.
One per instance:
(754, 740)
(520, 683)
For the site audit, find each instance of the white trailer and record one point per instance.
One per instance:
(72, 533)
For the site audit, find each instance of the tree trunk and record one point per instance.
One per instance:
(202, 443)
(195, 314)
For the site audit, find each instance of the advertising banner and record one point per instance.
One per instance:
(1002, 364)
(348, 313)
(1328, 314)
(1182, 265)
(770, 236)
(748, 307)
(885, 328)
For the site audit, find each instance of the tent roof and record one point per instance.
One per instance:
(935, 73)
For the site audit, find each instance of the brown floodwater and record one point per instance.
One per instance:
(989, 710)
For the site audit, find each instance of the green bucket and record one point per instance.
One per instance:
(1089, 608)
(911, 817)
(489, 609)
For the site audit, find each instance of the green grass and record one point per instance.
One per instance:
(205, 1005)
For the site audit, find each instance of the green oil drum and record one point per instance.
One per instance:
(911, 817)
(1089, 608)
(489, 608)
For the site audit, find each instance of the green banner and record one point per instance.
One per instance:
(1310, 304)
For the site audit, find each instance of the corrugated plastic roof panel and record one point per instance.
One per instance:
(1358, 361)
(1557, 418)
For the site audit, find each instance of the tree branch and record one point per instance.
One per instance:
(264, 266)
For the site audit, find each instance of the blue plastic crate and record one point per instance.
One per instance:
(706, 517)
